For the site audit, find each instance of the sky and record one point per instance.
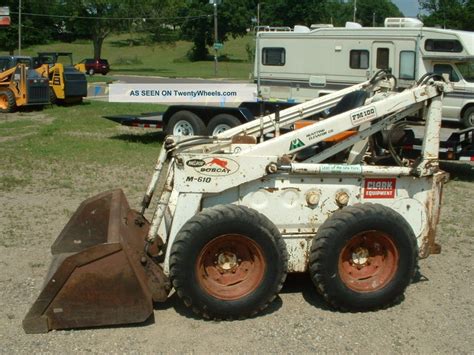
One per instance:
(408, 7)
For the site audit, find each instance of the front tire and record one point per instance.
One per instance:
(363, 257)
(53, 99)
(185, 123)
(7, 101)
(228, 262)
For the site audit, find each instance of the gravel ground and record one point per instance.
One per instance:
(436, 315)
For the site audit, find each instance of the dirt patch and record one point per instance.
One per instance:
(435, 316)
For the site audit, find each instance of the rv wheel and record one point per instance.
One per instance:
(228, 262)
(468, 117)
(7, 101)
(363, 257)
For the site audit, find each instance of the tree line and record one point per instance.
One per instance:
(170, 20)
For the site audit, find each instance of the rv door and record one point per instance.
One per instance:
(383, 57)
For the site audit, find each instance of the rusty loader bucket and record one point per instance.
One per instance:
(99, 274)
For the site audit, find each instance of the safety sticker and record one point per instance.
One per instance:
(380, 188)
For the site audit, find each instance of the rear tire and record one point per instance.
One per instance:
(91, 71)
(185, 123)
(468, 117)
(222, 122)
(7, 101)
(363, 257)
(228, 262)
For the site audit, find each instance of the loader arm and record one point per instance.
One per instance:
(5, 75)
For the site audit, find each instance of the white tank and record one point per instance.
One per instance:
(402, 22)
(301, 29)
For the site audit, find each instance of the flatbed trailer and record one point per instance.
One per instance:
(457, 145)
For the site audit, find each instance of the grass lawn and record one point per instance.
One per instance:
(167, 60)
(62, 140)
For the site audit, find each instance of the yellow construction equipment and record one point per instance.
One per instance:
(67, 83)
(20, 85)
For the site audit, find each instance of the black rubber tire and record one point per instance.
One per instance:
(91, 72)
(197, 125)
(53, 100)
(222, 119)
(336, 232)
(205, 227)
(468, 117)
(9, 100)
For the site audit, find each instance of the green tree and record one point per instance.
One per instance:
(96, 19)
(295, 12)
(234, 17)
(378, 10)
(454, 14)
(35, 29)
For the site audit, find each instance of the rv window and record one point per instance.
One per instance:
(467, 70)
(443, 45)
(273, 56)
(382, 58)
(359, 59)
(446, 69)
(407, 65)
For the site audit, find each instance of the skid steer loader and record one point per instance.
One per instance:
(20, 85)
(67, 83)
(236, 212)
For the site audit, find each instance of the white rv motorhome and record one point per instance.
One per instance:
(300, 64)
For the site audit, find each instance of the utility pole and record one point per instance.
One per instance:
(215, 37)
(373, 19)
(355, 11)
(19, 28)
(258, 14)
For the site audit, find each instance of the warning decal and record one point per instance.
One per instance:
(380, 188)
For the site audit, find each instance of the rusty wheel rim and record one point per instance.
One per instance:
(368, 261)
(230, 267)
(3, 101)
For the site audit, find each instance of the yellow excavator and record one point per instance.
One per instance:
(67, 82)
(20, 84)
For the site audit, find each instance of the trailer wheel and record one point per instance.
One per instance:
(222, 122)
(228, 262)
(185, 123)
(468, 117)
(7, 101)
(363, 257)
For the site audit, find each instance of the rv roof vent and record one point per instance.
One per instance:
(321, 25)
(350, 24)
(402, 22)
(301, 29)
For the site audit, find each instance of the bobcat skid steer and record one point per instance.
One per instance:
(236, 212)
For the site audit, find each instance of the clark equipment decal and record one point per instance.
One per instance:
(380, 188)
